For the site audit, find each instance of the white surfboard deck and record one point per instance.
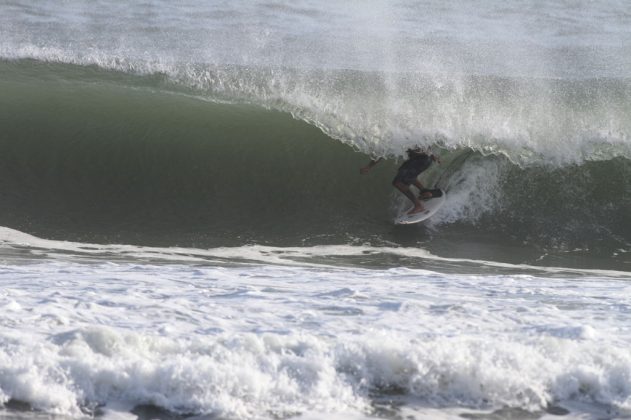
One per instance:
(431, 206)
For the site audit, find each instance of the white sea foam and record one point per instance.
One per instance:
(473, 192)
(257, 341)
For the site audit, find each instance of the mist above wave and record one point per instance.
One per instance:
(553, 39)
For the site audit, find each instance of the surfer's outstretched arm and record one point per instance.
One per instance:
(369, 166)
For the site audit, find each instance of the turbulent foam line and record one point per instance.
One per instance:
(298, 256)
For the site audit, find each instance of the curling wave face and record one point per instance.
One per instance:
(104, 156)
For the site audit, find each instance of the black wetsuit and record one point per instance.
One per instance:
(410, 169)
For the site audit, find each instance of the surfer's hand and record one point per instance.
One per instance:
(368, 167)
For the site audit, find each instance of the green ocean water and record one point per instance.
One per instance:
(100, 156)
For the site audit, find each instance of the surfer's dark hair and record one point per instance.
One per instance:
(417, 150)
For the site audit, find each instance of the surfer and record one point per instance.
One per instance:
(418, 160)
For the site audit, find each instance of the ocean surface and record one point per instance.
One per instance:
(184, 232)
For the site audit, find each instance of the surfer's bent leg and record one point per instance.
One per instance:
(406, 175)
(423, 192)
(405, 189)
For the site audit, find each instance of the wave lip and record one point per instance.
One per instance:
(532, 121)
(429, 74)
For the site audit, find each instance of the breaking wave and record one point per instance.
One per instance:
(213, 157)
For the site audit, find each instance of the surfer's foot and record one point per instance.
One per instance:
(425, 194)
(416, 209)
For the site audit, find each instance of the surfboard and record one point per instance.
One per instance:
(431, 206)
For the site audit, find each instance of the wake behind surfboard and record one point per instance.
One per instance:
(431, 206)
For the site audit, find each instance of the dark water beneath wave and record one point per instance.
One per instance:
(105, 157)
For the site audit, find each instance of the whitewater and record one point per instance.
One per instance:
(184, 232)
